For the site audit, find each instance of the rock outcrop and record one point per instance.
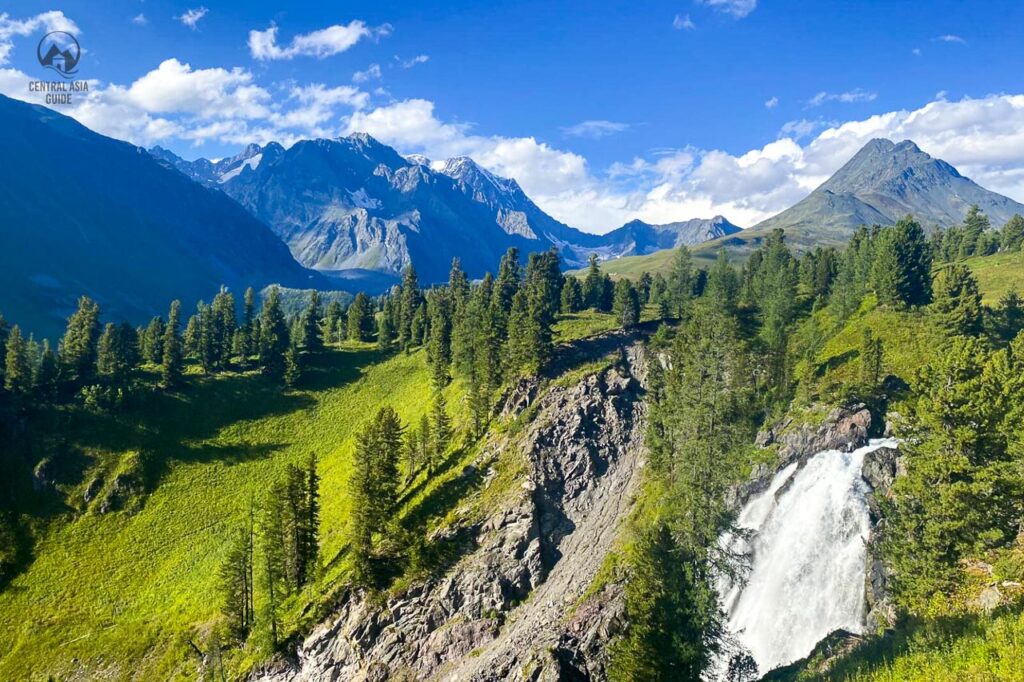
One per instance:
(513, 609)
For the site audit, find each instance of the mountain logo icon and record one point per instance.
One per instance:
(59, 50)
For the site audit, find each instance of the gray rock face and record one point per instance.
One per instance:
(501, 613)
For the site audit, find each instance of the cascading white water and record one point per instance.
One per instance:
(806, 549)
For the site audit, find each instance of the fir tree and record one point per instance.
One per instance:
(901, 266)
(572, 296)
(440, 431)
(680, 281)
(292, 366)
(311, 322)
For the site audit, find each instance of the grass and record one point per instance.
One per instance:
(998, 274)
(119, 594)
(122, 595)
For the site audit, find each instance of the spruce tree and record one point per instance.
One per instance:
(593, 284)
(439, 348)
(46, 374)
(249, 325)
(680, 281)
(870, 360)
(1012, 234)
(410, 301)
(153, 343)
(1009, 317)
(572, 296)
(311, 321)
(901, 266)
(292, 366)
(332, 324)
(723, 285)
(507, 283)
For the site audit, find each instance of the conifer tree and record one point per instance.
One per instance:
(78, 347)
(627, 304)
(870, 360)
(236, 583)
(723, 285)
(17, 370)
(249, 329)
(507, 283)
(901, 266)
(172, 363)
(440, 430)
(593, 284)
(274, 336)
(360, 318)
(292, 366)
(153, 341)
(439, 348)
(374, 484)
(1012, 234)
(46, 374)
(311, 321)
(957, 300)
(410, 301)
(572, 296)
(329, 330)
(1009, 317)
(680, 281)
(114, 354)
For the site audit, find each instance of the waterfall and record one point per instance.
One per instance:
(805, 544)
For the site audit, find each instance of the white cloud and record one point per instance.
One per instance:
(771, 103)
(140, 19)
(682, 21)
(736, 8)
(950, 38)
(48, 21)
(192, 17)
(849, 97)
(916, 52)
(595, 129)
(322, 43)
(409, 63)
(372, 73)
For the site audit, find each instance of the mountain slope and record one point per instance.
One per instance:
(85, 214)
(355, 204)
(882, 183)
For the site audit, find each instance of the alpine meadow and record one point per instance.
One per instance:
(532, 342)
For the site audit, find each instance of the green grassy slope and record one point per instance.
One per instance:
(997, 274)
(121, 592)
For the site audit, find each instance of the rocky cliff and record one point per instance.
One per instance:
(517, 607)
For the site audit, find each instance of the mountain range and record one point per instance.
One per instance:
(353, 204)
(86, 214)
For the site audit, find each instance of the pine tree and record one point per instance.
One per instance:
(292, 366)
(439, 348)
(1013, 234)
(249, 328)
(360, 318)
(374, 484)
(507, 283)
(627, 304)
(222, 325)
(723, 285)
(680, 281)
(901, 266)
(331, 324)
(46, 374)
(593, 284)
(274, 335)
(113, 354)
(643, 287)
(172, 363)
(311, 321)
(17, 369)
(410, 301)
(153, 341)
(672, 614)
(440, 431)
(236, 584)
(870, 360)
(572, 295)
(957, 301)
(78, 347)
(1009, 317)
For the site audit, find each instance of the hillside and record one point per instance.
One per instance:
(86, 214)
(882, 183)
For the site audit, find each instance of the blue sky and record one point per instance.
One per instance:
(603, 111)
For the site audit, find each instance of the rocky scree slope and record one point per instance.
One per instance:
(511, 609)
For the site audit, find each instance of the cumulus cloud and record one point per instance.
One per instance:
(140, 19)
(48, 21)
(192, 17)
(683, 21)
(735, 8)
(849, 97)
(595, 129)
(771, 103)
(322, 43)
